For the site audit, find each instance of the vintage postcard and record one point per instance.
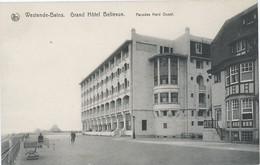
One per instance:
(137, 82)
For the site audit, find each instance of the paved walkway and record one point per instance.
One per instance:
(197, 144)
(96, 150)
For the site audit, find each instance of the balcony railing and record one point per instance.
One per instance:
(210, 123)
(202, 105)
(202, 87)
(10, 153)
(125, 106)
(213, 124)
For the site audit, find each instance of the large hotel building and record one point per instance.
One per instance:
(190, 86)
(150, 87)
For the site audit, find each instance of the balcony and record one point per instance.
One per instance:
(210, 123)
(202, 105)
(202, 87)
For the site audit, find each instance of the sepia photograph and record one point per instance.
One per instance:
(129, 82)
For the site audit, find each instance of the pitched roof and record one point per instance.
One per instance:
(232, 30)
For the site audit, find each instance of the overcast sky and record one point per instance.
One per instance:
(43, 60)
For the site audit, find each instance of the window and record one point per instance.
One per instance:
(165, 125)
(235, 109)
(173, 113)
(249, 18)
(174, 97)
(174, 71)
(247, 108)
(234, 74)
(228, 111)
(217, 77)
(234, 135)
(163, 70)
(125, 83)
(118, 87)
(165, 113)
(156, 98)
(144, 125)
(227, 77)
(247, 136)
(192, 123)
(112, 75)
(251, 44)
(219, 114)
(246, 71)
(199, 64)
(112, 90)
(200, 113)
(198, 48)
(200, 123)
(155, 73)
(166, 50)
(192, 113)
(247, 123)
(239, 48)
(164, 97)
(191, 95)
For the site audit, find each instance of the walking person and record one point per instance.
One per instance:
(73, 136)
(40, 140)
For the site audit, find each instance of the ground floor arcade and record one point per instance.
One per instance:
(109, 125)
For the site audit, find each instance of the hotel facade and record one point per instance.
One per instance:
(235, 101)
(150, 87)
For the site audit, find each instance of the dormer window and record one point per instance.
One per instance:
(164, 49)
(198, 48)
(244, 46)
(249, 18)
(239, 48)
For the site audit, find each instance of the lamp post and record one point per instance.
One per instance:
(133, 127)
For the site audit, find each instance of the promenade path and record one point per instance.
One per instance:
(95, 150)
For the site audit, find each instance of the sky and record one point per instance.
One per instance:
(43, 60)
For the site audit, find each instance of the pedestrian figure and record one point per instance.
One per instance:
(73, 136)
(40, 138)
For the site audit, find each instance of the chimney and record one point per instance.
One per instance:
(133, 30)
(187, 30)
(133, 33)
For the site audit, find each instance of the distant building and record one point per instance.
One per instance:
(55, 128)
(163, 83)
(235, 71)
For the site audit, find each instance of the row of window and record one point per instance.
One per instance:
(164, 49)
(164, 97)
(165, 125)
(237, 73)
(110, 65)
(198, 49)
(106, 93)
(245, 136)
(249, 18)
(174, 113)
(244, 46)
(104, 108)
(111, 77)
(243, 107)
(162, 71)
